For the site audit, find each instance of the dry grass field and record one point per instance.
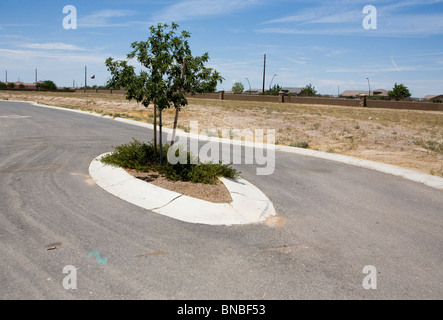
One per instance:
(406, 138)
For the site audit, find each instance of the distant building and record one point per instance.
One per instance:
(356, 93)
(253, 91)
(26, 85)
(292, 90)
(433, 97)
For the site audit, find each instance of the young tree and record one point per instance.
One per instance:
(238, 88)
(47, 85)
(308, 91)
(399, 92)
(274, 90)
(169, 72)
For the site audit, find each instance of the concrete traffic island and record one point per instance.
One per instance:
(249, 205)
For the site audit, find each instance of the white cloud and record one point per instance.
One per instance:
(393, 21)
(14, 56)
(197, 9)
(377, 69)
(298, 60)
(51, 46)
(102, 19)
(10, 36)
(320, 15)
(394, 64)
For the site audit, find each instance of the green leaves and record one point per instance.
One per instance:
(400, 91)
(308, 91)
(161, 58)
(47, 85)
(140, 156)
(238, 88)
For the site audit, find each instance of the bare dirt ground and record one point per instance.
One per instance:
(217, 193)
(405, 138)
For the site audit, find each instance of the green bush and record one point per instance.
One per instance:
(308, 91)
(273, 91)
(399, 92)
(3, 85)
(11, 85)
(140, 156)
(430, 145)
(238, 88)
(302, 144)
(47, 85)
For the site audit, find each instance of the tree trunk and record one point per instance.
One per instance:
(155, 128)
(160, 125)
(177, 107)
(175, 125)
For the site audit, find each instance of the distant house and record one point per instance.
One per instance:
(253, 91)
(26, 85)
(380, 92)
(356, 93)
(292, 90)
(434, 98)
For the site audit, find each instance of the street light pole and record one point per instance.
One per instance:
(369, 85)
(270, 85)
(250, 90)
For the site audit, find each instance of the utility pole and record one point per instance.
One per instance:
(264, 74)
(36, 75)
(6, 75)
(86, 76)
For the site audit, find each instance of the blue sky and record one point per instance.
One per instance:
(318, 42)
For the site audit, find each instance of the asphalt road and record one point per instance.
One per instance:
(333, 220)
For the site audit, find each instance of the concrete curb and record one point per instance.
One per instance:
(427, 179)
(249, 204)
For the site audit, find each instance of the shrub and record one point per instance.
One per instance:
(3, 85)
(47, 85)
(302, 144)
(11, 85)
(308, 91)
(399, 92)
(238, 88)
(140, 156)
(430, 145)
(274, 90)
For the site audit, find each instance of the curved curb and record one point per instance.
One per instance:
(249, 205)
(412, 175)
